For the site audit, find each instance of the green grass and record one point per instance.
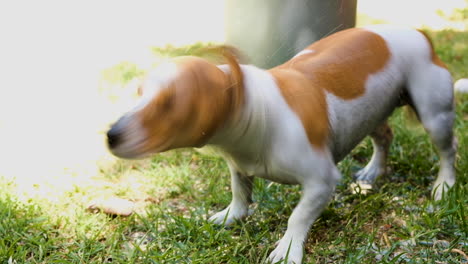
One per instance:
(177, 191)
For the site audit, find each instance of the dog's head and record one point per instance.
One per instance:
(183, 103)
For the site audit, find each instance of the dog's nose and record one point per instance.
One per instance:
(114, 136)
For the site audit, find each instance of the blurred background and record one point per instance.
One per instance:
(67, 69)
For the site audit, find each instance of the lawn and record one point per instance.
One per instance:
(175, 192)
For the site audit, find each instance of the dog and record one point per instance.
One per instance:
(293, 123)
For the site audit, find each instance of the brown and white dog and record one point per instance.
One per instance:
(295, 122)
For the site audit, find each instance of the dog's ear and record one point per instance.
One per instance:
(221, 54)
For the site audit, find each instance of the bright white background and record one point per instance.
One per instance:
(51, 55)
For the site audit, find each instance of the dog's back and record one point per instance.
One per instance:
(365, 74)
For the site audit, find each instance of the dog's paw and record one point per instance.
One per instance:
(440, 189)
(229, 215)
(368, 174)
(287, 252)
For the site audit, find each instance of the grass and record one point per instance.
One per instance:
(176, 192)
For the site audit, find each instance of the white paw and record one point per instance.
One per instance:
(461, 85)
(368, 174)
(287, 252)
(361, 188)
(229, 215)
(440, 189)
(445, 180)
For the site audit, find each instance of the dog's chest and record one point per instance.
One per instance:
(254, 164)
(263, 168)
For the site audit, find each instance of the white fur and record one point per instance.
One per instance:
(306, 51)
(461, 85)
(156, 80)
(270, 141)
(375, 167)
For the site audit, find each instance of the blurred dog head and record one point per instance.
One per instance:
(183, 102)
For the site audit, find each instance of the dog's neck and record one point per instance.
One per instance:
(240, 133)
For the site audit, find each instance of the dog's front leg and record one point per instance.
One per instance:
(241, 187)
(316, 195)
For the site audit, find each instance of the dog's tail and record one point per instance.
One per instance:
(434, 58)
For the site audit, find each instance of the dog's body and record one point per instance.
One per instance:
(293, 123)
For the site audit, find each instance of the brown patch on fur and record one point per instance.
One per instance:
(339, 64)
(435, 59)
(307, 101)
(342, 62)
(193, 106)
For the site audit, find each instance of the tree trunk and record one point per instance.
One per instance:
(270, 32)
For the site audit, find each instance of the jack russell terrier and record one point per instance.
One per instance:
(293, 123)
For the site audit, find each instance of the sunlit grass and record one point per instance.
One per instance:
(449, 14)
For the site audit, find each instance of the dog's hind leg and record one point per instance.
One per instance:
(431, 91)
(381, 140)
(241, 187)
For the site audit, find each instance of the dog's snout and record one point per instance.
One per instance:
(114, 136)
